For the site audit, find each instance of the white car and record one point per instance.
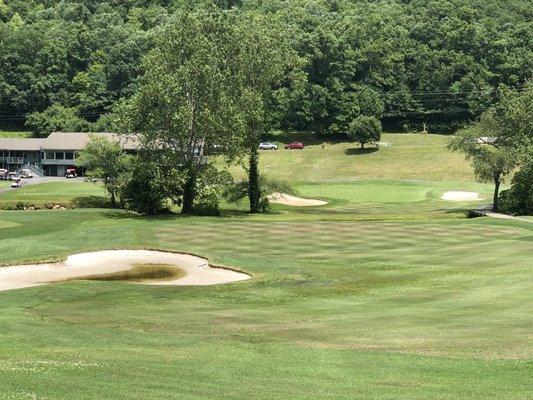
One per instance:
(267, 146)
(26, 173)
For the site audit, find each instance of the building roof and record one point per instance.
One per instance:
(78, 140)
(21, 144)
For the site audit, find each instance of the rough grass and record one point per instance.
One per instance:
(67, 194)
(411, 156)
(51, 191)
(403, 310)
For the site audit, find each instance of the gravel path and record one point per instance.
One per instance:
(506, 216)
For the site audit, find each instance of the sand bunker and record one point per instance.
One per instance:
(461, 196)
(288, 200)
(193, 270)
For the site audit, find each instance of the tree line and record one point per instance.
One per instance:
(65, 65)
(220, 75)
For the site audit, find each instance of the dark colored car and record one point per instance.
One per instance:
(294, 145)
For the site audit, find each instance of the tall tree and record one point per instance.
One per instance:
(188, 97)
(364, 129)
(104, 159)
(262, 58)
(485, 144)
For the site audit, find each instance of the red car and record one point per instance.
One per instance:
(294, 145)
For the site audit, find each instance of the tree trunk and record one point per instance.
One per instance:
(496, 193)
(362, 145)
(189, 194)
(254, 190)
(113, 198)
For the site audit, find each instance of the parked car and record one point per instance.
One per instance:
(294, 145)
(3, 173)
(16, 183)
(71, 173)
(26, 173)
(267, 146)
(11, 176)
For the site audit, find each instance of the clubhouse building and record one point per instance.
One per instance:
(51, 156)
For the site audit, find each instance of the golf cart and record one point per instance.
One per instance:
(26, 173)
(15, 183)
(71, 173)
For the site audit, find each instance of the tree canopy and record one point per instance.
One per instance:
(405, 62)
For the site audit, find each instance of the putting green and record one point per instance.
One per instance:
(362, 192)
(383, 191)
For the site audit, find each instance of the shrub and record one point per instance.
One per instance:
(238, 191)
(519, 198)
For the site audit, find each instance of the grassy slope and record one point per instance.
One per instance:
(434, 309)
(53, 191)
(411, 156)
(373, 309)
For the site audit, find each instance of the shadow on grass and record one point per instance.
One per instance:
(308, 138)
(359, 151)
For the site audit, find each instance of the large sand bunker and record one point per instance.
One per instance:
(192, 270)
(461, 196)
(288, 200)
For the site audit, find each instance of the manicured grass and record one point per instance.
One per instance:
(381, 294)
(390, 198)
(411, 156)
(77, 194)
(375, 310)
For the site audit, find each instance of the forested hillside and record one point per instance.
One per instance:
(64, 64)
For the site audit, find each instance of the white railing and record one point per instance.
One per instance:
(15, 160)
(56, 162)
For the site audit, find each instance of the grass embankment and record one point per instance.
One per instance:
(64, 193)
(394, 309)
(411, 157)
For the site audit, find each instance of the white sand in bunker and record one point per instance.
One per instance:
(288, 200)
(461, 196)
(192, 270)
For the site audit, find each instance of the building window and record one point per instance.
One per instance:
(49, 155)
(60, 155)
(69, 156)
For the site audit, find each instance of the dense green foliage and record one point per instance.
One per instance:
(403, 61)
(519, 198)
(364, 129)
(104, 160)
(499, 142)
(188, 98)
(149, 185)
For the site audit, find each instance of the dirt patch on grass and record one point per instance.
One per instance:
(140, 273)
